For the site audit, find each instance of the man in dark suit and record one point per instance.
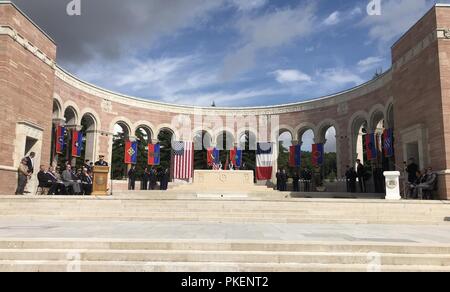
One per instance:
(153, 179)
(132, 178)
(45, 181)
(87, 183)
(30, 162)
(361, 173)
(101, 161)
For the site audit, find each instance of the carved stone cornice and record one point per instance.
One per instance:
(26, 44)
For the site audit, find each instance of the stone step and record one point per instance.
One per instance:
(68, 266)
(225, 257)
(223, 246)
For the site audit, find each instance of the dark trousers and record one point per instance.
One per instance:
(352, 186)
(306, 186)
(362, 184)
(21, 183)
(296, 186)
(144, 185)
(87, 189)
(131, 184)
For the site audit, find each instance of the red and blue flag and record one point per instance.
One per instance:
(59, 142)
(388, 142)
(213, 157)
(154, 154)
(236, 157)
(295, 156)
(318, 154)
(371, 146)
(77, 143)
(131, 152)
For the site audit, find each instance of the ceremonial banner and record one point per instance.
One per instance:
(77, 143)
(318, 154)
(183, 160)
(236, 157)
(213, 157)
(295, 156)
(59, 141)
(131, 152)
(371, 146)
(388, 143)
(154, 154)
(264, 161)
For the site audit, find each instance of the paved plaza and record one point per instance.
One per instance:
(408, 234)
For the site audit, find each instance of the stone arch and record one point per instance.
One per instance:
(322, 129)
(302, 129)
(57, 108)
(389, 114)
(167, 127)
(93, 115)
(357, 121)
(229, 138)
(285, 129)
(376, 115)
(206, 138)
(147, 126)
(125, 123)
(252, 139)
(73, 113)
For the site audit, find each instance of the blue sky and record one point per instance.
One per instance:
(233, 52)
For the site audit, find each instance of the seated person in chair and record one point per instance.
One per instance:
(86, 180)
(428, 185)
(70, 180)
(48, 181)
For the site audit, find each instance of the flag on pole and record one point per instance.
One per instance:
(295, 156)
(213, 157)
(60, 134)
(236, 157)
(183, 160)
(264, 161)
(388, 143)
(77, 143)
(318, 154)
(371, 146)
(131, 152)
(154, 154)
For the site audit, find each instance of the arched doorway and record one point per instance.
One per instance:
(89, 131)
(225, 142)
(248, 145)
(284, 143)
(144, 136)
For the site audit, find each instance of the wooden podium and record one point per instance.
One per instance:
(100, 183)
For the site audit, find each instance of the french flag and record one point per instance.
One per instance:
(154, 154)
(77, 143)
(264, 161)
(59, 142)
(131, 152)
(318, 153)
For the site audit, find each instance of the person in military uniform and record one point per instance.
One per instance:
(101, 161)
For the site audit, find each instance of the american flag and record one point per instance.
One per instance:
(183, 159)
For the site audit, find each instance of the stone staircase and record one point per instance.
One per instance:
(102, 255)
(256, 208)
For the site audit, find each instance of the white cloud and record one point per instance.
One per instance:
(369, 63)
(290, 76)
(332, 19)
(247, 5)
(397, 17)
(267, 31)
(338, 77)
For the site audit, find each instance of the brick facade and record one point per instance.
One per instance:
(416, 87)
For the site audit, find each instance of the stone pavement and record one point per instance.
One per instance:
(411, 234)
